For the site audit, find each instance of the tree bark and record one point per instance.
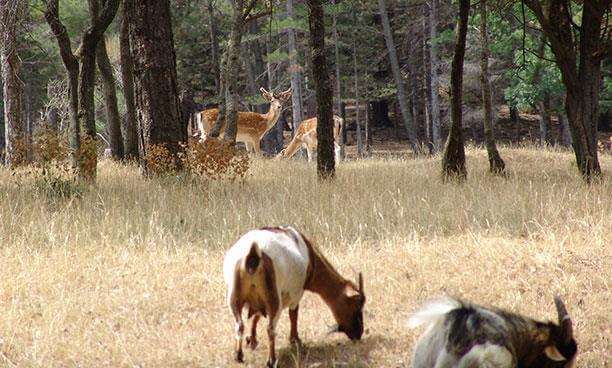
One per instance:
(433, 71)
(214, 45)
(580, 72)
(155, 85)
(566, 134)
(113, 121)
(496, 164)
(338, 86)
(357, 97)
(127, 80)
(401, 92)
(15, 130)
(81, 79)
(324, 93)
(295, 71)
(453, 161)
(228, 113)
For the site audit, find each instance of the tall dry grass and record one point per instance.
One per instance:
(128, 273)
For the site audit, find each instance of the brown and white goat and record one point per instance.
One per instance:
(466, 335)
(267, 271)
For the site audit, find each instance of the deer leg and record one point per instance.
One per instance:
(309, 153)
(293, 317)
(251, 340)
(337, 152)
(256, 148)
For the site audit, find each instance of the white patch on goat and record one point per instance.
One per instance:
(487, 356)
(432, 311)
(290, 261)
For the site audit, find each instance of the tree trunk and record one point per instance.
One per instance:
(368, 130)
(15, 130)
(566, 134)
(324, 92)
(453, 161)
(214, 45)
(81, 79)
(401, 92)
(496, 164)
(436, 131)
(113, 120)
(337, 89)
(127, 80)
(228, 114)
(581, 74)
(545, 121)
(155, 85)
(294, 69)
(357, 97)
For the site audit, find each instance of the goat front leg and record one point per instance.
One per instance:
(251, 340)
(256, 148)
(293, 335)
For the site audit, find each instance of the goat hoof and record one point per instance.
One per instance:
(239, 356)
(251, 342)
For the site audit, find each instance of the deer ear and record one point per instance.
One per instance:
(553, 353)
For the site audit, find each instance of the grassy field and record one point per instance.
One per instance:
(130, 273)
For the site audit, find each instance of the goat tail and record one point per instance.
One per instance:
(253, 259)
(433, 310)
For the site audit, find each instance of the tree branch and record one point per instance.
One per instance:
(60, 33)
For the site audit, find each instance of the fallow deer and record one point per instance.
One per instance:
(306, 136)
(267, 271)
(251, 126)
(462, 334)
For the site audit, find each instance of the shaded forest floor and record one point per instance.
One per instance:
(129, 273)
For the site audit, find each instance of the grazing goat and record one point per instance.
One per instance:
(465, 335)
(267, 270)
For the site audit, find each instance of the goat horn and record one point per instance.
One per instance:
(564, 319)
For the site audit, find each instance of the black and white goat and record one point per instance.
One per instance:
(466, 335)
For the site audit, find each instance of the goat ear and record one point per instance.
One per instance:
(565, 321)
(553, 353)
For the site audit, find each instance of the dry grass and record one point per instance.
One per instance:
(130, 273)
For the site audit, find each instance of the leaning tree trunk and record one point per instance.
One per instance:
(113, 120)
(324, 92)
(15, 137)
(399, 83)
(214, 42)
(496, 164)
(228, 113)
(453, 161)
(155, 85)
(127, 80)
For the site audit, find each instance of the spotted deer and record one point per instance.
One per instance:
(466, 335)
(251, 126)
(306, 137)
(267, 271)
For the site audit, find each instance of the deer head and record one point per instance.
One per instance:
(276, 100)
